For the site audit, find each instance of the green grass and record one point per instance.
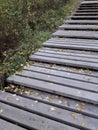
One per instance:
(52, 19)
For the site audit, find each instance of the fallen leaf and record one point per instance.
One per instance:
(54, 65)
(60, 102)
(83, 124)
(74, 116)
(81, 106)
(17, 99)
(14, 95)
(1, 110)
(51, 84)
(52, 109)
(36, 101)
(49, 99)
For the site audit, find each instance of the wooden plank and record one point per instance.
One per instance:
(78, 46)
(64, 74)
(89, 2)
(85, 13)
(45, 111)
(61, 81)
(55, 89)
(30, 120)
(73, 40)
(88, 8)
(58, 101)
(70, 46)
(81, 21)
(84, 17)
(72, 63)
(76, 34)
(89, 55)
(4, 125)
(89, 5)
(67, 69)
(79, 27)
(57, 54)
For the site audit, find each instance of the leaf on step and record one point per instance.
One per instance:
(81, 106)
(83, 124)
(52, 109)
(74, 116)
(1, 110)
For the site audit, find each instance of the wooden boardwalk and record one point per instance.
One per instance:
(60, 90)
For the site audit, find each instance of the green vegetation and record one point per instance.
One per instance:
(25, 25)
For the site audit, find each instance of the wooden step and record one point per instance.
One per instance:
(30, 120)
(67, 69)
(87, 11)
(89, 5)
(84, 17)
(89, 2)
(86, 14)
(95, 22)
(67, 61)
(87, 8)
(63, 74)
(85, 62)
(45, 111)
(79, 27)
(61, 81)
(74, 41)
(5, 125)
(65, 91)
(56, 101)
(76, 34)
(70, 44)
(74, 53)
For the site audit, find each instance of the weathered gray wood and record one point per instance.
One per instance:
(86, 13)
(73, 40)
(76, 34)
(84, 17)
(67, 69)
(61, 102)
(61, 81)
(54, 88)
(88, 8)
(45, 111)
(89, 5)
(58, 54)
(90, 2)
(30, 120)
(70, 53)
(79, 27)
(71, 46)
(95, 3)
(64, 74)
(73, 63)
(82, 21)
(4, 125)
(83, 42)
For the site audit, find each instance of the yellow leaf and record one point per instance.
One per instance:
(83, 124)
(74, 116)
